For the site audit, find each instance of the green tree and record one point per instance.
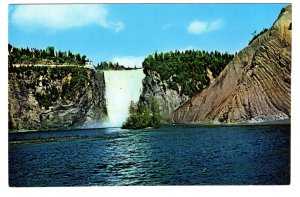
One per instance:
(255, 35)
(39, 56)
(186, 68)
(50, 51)
(9, 48)
(156, 117)
(142, 116)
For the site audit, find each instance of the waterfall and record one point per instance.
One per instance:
(121, 87)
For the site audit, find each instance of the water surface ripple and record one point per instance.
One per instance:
(171, 155)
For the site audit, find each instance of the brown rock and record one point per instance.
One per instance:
(254, 87)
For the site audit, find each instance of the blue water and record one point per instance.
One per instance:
(170, 155)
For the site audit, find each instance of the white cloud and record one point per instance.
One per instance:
(199, 27)
(60, 17)
(129, 61)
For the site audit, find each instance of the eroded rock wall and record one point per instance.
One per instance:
(168, 99)
(49, 98)
(254, 87)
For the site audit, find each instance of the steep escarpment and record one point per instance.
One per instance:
(54, 97)
(254, 87)
(173, 77)
(156, 88)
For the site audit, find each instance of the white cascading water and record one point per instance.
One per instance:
(121, 87)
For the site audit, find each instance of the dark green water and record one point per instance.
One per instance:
(171, 155)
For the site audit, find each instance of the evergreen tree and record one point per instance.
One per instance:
(142, 116)
(39, 56)
(187, 68)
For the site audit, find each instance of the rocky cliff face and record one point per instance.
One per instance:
(168, 99)
(254, 87)
(49, 98)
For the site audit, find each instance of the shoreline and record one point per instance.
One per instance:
(277, 122)
(274, 122)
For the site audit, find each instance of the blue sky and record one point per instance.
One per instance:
(127, 33)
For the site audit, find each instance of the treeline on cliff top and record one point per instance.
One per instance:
(112, 66)
(46, 57)
(187, 72)
(49, 56)
(255, 35)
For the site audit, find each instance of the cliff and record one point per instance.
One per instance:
(254, 87)
(54, 97)
(167, 99)
(173, 77)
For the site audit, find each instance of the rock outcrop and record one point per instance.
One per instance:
(254, 87)
(167, 99)
(49, 98)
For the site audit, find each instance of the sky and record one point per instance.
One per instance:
(239, 22)
(127, 33)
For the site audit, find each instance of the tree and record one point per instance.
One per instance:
(39, 56)
(83, 59)
(190, 66)
(255, 35)
(9, 48)
(156, 117)
(50, 51)
(142, 116)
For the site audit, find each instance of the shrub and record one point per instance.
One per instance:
(142, 116)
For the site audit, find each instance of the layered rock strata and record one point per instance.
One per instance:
(254, 87)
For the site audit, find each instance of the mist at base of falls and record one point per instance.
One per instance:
(121, 87)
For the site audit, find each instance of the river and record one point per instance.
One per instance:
(170, 155)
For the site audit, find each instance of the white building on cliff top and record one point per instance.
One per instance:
(89, 64)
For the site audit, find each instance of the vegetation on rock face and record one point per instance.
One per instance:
(142, 116)
(188, 69)
(255, 35)
(46, 57)
(49, 84)
(112, 66)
